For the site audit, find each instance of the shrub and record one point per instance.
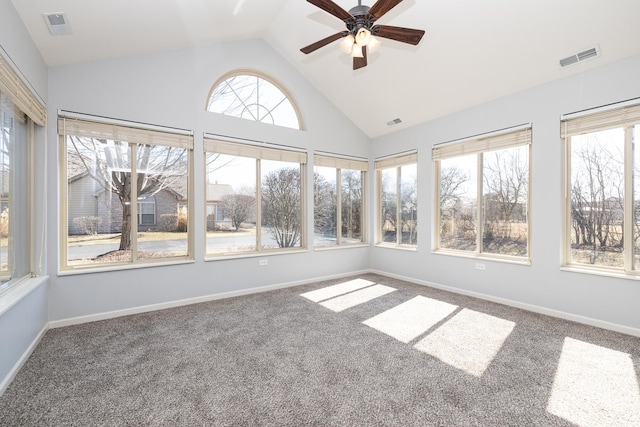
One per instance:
(183, 219)
(169, 222)
(87, 224)
(4, 223)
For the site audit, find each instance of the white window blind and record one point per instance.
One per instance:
(118, 132)
(254, 151)
(20, 95)
(340, 162)
(482, 144)
(396, 161)
(601, 120)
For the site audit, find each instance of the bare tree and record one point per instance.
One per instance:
(597, 195)
(351, 195)
(239, 207)
(109, 164)
(324, 205)
(282, 207)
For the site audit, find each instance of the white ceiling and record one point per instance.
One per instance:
(473, 51)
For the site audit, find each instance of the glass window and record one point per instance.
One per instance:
(254, 198)
(603, 190)
(338, 201)
(15, 213)
(398, 200)
(483, 195)
(256, 97)
(101, 161)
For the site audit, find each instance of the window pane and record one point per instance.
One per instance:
(253, 98)
(458, 198)
(14, 194)
(352, 212)
(162, 174)
(231, 204)
(597, 198)
(409, 204)
(636, 199)
(98, 207)
(325, 203)
(281, 204)
(388, 205)
(505, 195)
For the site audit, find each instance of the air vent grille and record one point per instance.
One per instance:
(57, 24)
(592, 52)
(394, 122)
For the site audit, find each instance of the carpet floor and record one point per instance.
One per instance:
(366, 350)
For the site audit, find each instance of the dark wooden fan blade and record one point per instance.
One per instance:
(404, 35)
(381, 7)
(360, 62)
(323, 42)
(332, 8)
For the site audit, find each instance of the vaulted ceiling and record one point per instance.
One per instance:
(473, 51)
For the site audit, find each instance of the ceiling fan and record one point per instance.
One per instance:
(360, 32)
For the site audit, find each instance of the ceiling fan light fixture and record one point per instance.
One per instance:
(373, 45)
(357, 51)
(363, 36)
(347, 43)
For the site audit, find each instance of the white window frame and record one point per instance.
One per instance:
(259, 151)
(396, 162)
(21, 250)
(512, 137)
(134, 134)
(339, 163)
(259, 76)
(623, 115)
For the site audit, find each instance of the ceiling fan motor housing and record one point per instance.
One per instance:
(360, 13)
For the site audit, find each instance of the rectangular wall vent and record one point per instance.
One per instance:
(57, 23)
(394, 122)
(592, 52)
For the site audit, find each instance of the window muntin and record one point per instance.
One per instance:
(271, 219)
(256, 97)
(603, 166)
(397, 179)
(100, 214)
(338, 200)
(15, 249)
(483, 195)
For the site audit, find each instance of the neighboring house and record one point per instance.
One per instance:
(156, 212)
(215, 216)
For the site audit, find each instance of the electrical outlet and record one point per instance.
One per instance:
(480, 266)
(264, 262)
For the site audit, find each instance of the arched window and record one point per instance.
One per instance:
(254, 96)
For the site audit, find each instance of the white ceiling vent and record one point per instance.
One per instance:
(394, 122)
(592, 52)
(57, 23)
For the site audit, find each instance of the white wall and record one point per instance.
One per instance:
(22, 318)
(542, 284)
(171, 89)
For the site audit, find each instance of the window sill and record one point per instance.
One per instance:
(604, 273)
(18, 291)
(228, 256)
(106, 268)
(398, 247)
(338, 247)
(484, 257)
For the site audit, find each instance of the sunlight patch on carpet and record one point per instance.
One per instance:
(356, 298)
(468, 341)
(411, 319)
(595, 386)
(335, 290)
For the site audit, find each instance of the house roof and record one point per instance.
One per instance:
(215, 192)
(473, 51)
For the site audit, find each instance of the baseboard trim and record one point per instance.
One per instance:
(524, 306)
(178, 303)
(18, 365)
